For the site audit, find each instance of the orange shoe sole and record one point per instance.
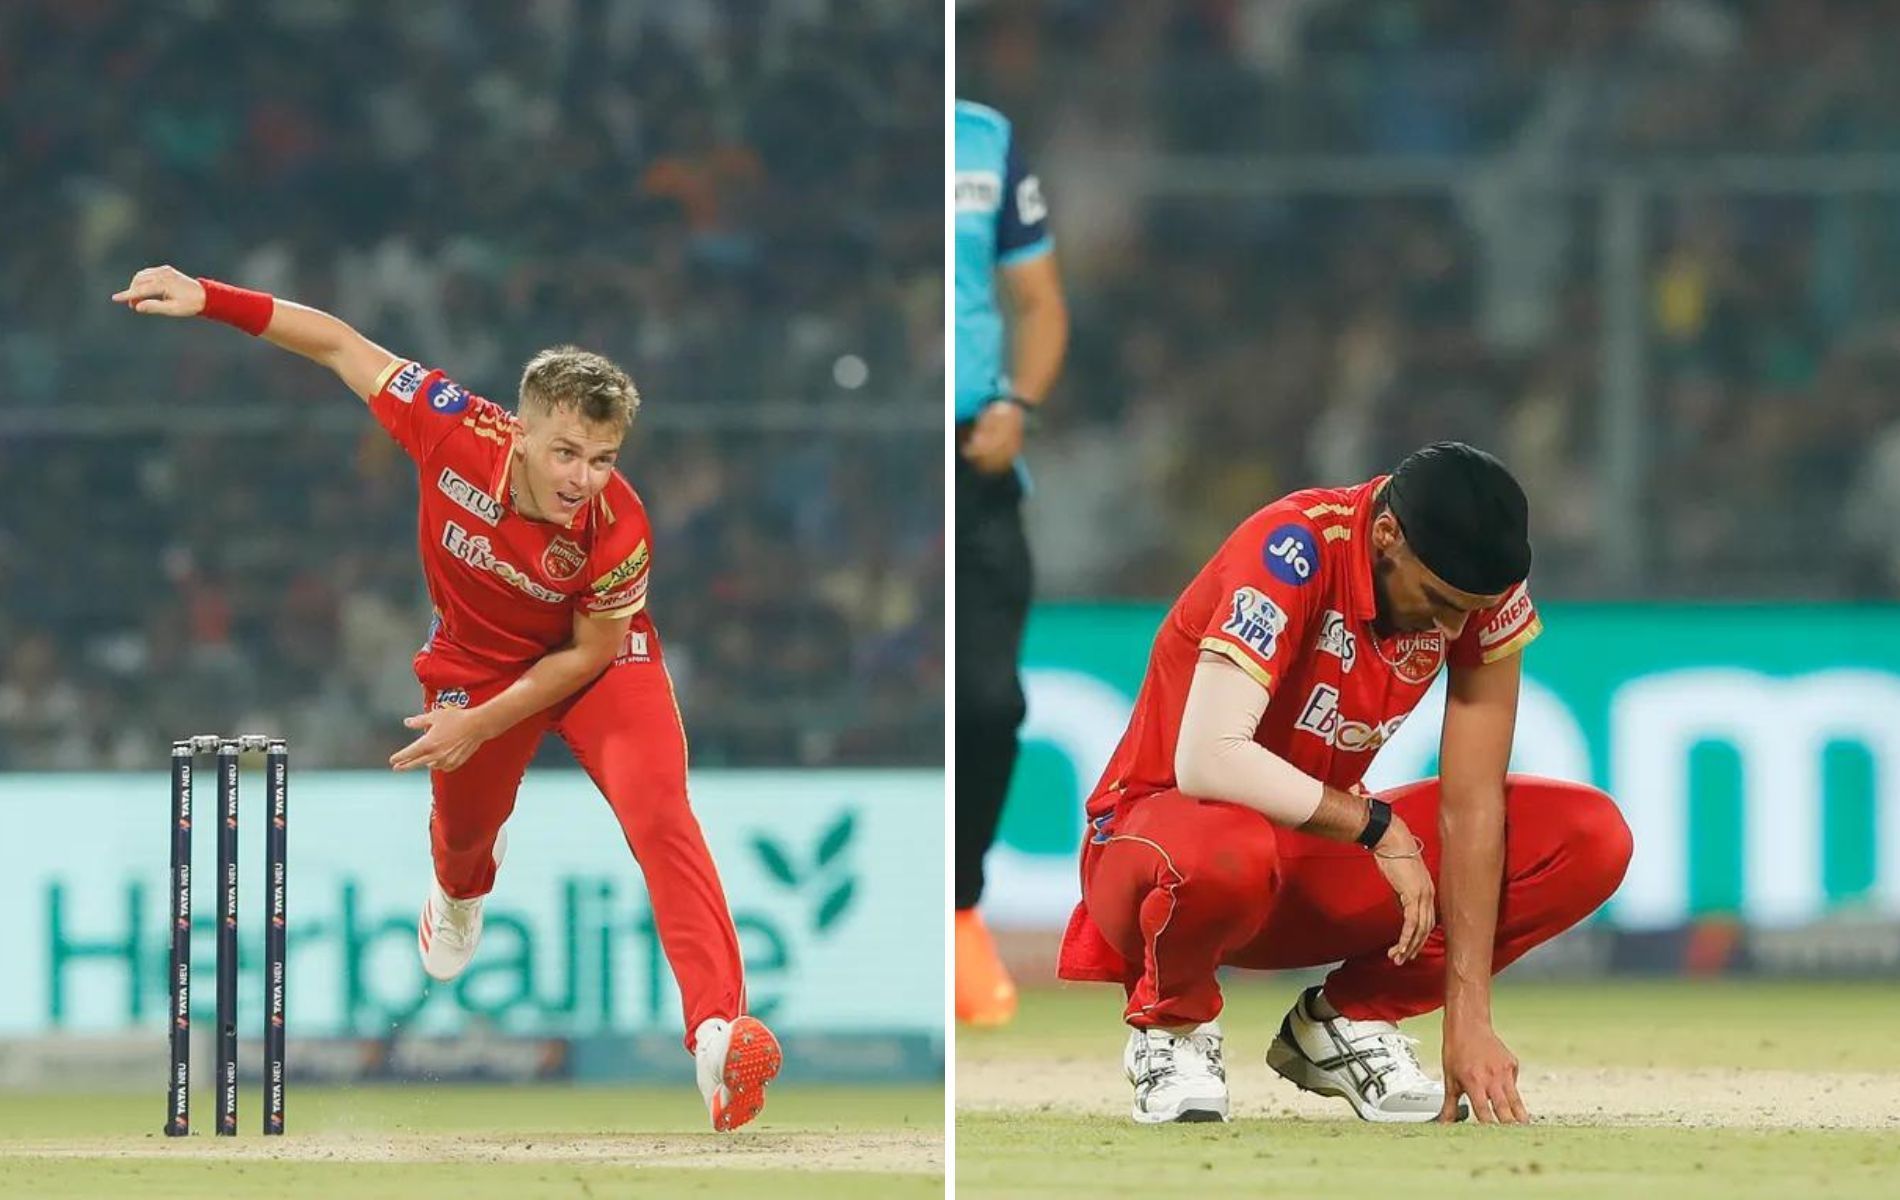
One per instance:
(753, 1059)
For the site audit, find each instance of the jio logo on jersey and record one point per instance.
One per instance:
(1291, 554)
(1255, 621)
(446, 397)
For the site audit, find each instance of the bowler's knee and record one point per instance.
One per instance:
(1597, 841)
(1230, 881)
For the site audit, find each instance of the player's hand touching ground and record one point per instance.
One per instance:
(996, 438)
(451, 736)
(1403, 866)
(1481, 1068)
(163, 292)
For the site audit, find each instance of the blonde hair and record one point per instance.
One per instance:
(588, 384)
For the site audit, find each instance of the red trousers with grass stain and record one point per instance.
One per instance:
(1179, 887)
(625, 731)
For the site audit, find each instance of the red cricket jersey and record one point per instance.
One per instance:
(1288, 597)
(505, 588)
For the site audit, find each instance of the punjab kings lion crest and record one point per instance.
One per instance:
(1416, 657)
(562, 560)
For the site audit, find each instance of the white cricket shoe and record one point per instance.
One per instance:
(1368, 1064)
(450, 929)
(1177, 1076)
(734, 1061)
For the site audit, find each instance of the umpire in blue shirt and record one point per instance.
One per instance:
(1002, 234)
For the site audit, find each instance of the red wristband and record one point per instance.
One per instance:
(247, 310)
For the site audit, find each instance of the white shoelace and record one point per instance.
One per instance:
(454, 919)
(1158, 1058)
(1375, 1040)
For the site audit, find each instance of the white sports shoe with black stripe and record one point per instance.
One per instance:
(1368, 1064)
(1177, 1076)
(450, 929)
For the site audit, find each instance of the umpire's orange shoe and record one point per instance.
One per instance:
(734, 1062)
(985, 993)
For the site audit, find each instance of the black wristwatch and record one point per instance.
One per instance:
(1378, 819)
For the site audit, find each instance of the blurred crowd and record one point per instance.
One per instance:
(1303, 237)
(739, 202)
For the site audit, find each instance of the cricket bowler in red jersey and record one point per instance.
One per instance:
(536, 552)
(1229, 828)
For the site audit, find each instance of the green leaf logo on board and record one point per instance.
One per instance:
(827, 876)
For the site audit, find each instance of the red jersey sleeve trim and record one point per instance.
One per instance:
(631, 610)
(1241, 659)
(382, 381)
(1516, 644)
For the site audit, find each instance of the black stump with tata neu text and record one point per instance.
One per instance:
(228, 750)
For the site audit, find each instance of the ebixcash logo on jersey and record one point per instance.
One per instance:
(1322, 719)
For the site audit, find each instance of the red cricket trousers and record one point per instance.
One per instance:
(1180, 886)
(625, 731)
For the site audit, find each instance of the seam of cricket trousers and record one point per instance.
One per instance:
(1168, 861)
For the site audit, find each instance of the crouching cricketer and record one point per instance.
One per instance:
(1229, 828)
(535, 552)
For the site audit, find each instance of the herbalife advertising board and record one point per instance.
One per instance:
(835, 880)
(1754, 750)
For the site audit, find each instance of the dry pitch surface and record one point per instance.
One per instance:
(474, 1143)
(1719, 1089)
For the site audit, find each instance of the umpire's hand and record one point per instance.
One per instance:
(996, 439)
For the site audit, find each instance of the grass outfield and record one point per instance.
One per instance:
(1691, 1090)
(480, 1143)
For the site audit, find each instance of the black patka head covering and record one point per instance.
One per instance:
(1464, 516)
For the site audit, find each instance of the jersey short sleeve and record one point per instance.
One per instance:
(1499, 632)
(1268, 587)
(419, 407)
(622, 564)
(1022, 219)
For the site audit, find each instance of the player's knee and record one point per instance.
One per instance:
(647, 805)
(1230, 882)
(467, 840)
(1598, 840)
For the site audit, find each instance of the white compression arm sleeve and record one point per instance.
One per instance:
(1216, 757)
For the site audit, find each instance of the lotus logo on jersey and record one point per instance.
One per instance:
(1255, 621)
(1321, 718)
(1337, 640)
(563, 560)
(470, 497)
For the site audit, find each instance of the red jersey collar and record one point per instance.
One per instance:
(1359, 590)
(498, 488)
